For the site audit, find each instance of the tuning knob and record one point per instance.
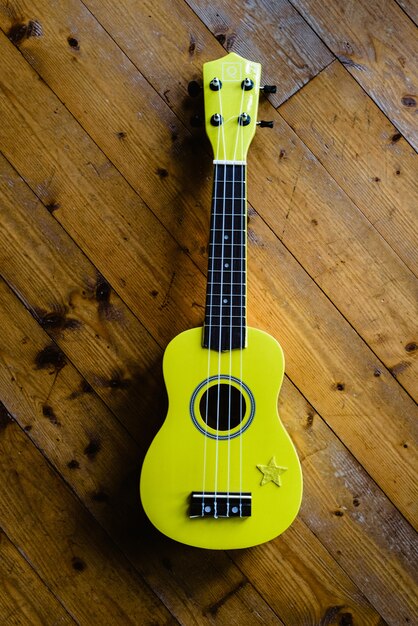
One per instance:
(265, 124)
(216, 119)
(269, 89)
(194, 88)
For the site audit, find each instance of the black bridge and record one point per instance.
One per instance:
(220, 504)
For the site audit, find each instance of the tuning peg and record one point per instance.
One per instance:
(264, 124)
(194, 89)
(269, 89)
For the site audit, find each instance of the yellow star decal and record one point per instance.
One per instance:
(271, 473)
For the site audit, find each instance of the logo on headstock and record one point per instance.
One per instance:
(231, 71)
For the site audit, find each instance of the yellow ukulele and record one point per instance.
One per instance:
(222, 471)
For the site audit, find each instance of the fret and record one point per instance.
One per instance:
(236, 285)
(222, 310)
(225, 310)
(225, 329)
(228, 281)
(229, 169)
(226, 205)
(232, 262)
(227, 240)
(229, 237)
(217, 315)
(216, 269)
(222, 240)
(229, 230)
(222, 283)
(236, 294)
(215, 299)
(222, 258)
(225, 322)
(226, 197)
(234, 214)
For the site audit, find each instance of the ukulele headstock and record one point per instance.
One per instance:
(231, 87)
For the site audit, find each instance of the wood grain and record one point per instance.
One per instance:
(105, 195)
(364, 37)
(373, 163)
(291, 52)
(340, 250)
(113, 498)
(72, 407)
(91, 450)
(332, 361)
(72, 564)
(347, 511)
(362, 263)
(24, 599)
(94, 198)
(75, 304)
(410, 8)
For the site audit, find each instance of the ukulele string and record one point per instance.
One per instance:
(239, 135)
(211, 276)
(222, 126)
(242, 300)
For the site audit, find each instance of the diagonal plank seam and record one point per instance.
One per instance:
(33, 570)
(71, 489)
(319, 159)
(341, 60)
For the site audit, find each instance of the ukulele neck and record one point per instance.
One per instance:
(225, 312)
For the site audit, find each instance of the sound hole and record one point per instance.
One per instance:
(222, 407)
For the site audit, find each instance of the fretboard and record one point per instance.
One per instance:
(225, 313)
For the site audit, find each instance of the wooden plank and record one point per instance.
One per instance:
(337, 355)
(179, 575)
(339, 248)
(410, 7)
(79, 309)
(82, 189)
(355, 255)
(348, 512)
(363, 152)
(69, 551)
(291, 53)
(377, 44)
(265, 563)
(291, 50)
(24, 599)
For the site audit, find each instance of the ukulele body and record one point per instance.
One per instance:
(190, 455)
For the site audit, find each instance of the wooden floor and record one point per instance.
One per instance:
(105, 201)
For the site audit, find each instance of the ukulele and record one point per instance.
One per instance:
(222, 471)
